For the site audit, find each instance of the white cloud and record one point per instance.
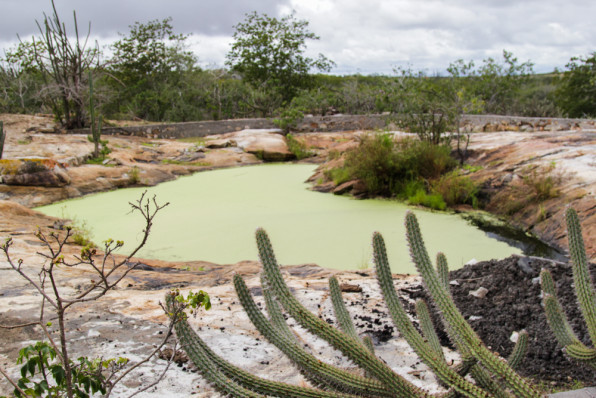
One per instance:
(360, 36)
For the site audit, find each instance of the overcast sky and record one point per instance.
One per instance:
(361, 36)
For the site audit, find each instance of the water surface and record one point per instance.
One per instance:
(212, 216)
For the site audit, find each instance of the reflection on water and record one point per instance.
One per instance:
(213, 216)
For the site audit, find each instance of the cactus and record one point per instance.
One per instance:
(493, 375)
(2, 137)
(96, 125)
(584, 291)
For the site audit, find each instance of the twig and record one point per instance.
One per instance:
(11, 381)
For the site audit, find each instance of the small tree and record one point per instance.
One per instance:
(576, 91)
(51, 359)
(269, 53)
(149, 65)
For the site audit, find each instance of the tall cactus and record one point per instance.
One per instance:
(586, 297)
(96, 124)
(2, 137)
(493, 375)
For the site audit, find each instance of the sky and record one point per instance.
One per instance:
(365, 37)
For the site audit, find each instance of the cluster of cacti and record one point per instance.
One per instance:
(586, 297)
(480, 373)
(2, 138)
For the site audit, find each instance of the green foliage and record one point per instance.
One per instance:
(432, 201)
(151, 69)
(387, 166)
(456, 188)
(289, 119)
(134, 176)
(576, 90)
(21, 79)
(103, 152)
(42, 375)
(492, 375)
(193, 300)
(338, 175)
(586, 297)
(298, 148)
(269, 53)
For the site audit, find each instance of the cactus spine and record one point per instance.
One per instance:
(584, 291)
(2, 138)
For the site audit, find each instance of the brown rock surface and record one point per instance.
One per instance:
(128, 320)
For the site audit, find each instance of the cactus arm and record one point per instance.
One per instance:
(201, 355)
(442, 298)
(322, 373)
(409, 332)
(368, 343)
(582, 353)
(584, 289)
(554, 312)
(564, 334)
(428, 329)
(519, 350)
(356, 352)
(208, 368)
(276, 316)
(341, 313)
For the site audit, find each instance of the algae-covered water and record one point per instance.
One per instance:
(212, 216)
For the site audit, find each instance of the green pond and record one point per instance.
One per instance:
(213, 215)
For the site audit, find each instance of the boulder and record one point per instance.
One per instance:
(47, 178)
(268, 145)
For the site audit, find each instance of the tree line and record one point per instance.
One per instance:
(151, 75)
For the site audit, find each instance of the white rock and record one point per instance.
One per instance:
(479, 293)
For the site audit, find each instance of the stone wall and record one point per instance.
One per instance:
(341, 123)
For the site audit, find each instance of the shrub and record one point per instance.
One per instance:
(535, 185)
(387, 167)
(298, 148)
(456, 188)
(433, 201)
(289, 119)
(339, 175)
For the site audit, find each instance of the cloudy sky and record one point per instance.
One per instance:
(371, 36)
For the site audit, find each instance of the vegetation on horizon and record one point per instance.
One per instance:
(152, 76)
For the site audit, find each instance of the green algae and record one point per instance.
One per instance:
(213, 216)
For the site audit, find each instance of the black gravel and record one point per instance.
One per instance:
(513, 303)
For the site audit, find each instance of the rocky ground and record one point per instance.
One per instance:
(129, 321)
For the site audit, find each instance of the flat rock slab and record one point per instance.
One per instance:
(269, 145)
(589, 392)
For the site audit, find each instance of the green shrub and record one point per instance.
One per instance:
(433, 201)
(338, 175)
(535, 185)
(298, 148)
(456, 188)
(288, 118)
(425, 159)
(386, 166)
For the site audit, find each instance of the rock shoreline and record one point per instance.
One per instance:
(129, 320)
